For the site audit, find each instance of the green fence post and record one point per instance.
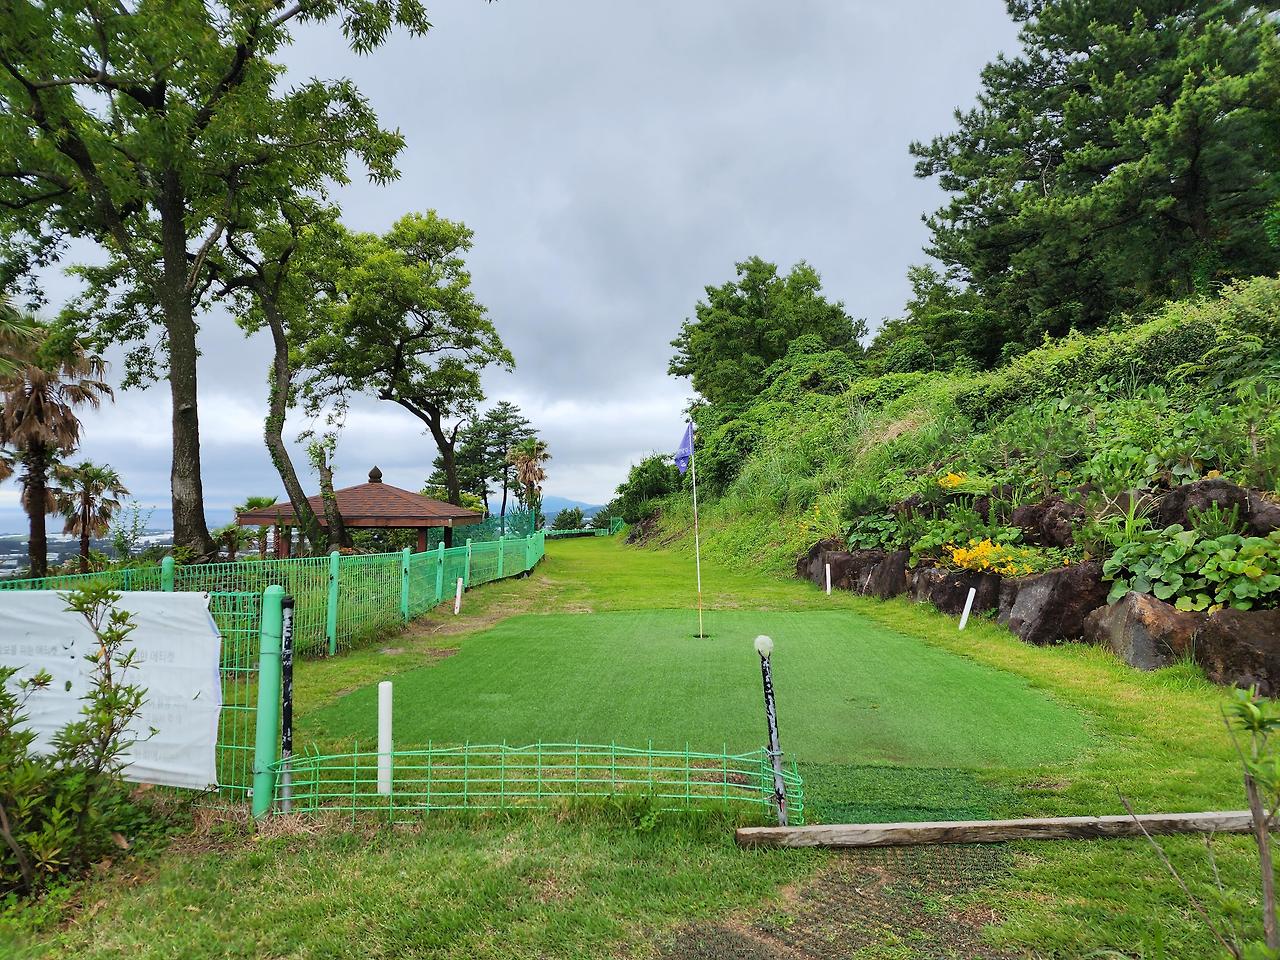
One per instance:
(331, 608)
(166, 574)
(440, 572)
(466, 570)
(502, 550)
(404, 584)
(266, 747)
(528, 554)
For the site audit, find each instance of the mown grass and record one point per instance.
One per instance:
(631, 677)
(577, 883)
(609, 882)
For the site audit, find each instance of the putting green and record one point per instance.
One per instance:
(848, 691)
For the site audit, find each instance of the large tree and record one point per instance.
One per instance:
(746, 324)
(405, 326)
(143, 127)
(1126, 154)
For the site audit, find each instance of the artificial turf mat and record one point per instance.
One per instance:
(849, 692)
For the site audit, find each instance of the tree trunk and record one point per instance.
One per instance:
(445, 444)
(338, 536)
(430, 415)
(84, 532)
(505, 473)
(186, 486)
(36, 462)
(533, 504)
(281, 382)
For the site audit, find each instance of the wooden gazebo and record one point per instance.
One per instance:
(372, 504)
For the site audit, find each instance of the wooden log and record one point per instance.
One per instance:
(993, 831)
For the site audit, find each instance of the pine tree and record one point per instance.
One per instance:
(1126, 155)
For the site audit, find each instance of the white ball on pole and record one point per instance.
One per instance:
(764, 646)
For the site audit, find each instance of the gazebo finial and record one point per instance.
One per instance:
(375, 475)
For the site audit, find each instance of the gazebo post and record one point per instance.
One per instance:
(448, 537)
(282, 546)
(422, 539)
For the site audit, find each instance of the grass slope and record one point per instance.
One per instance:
(850, 691)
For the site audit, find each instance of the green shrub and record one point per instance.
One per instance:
(66, 809)
(648, 482)
(959, 525)
(1210, 340)
(1198, 572)
(874, 532)
(988, 556)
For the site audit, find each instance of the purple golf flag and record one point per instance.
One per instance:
(685, 450)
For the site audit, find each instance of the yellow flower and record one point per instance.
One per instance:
(952, 480)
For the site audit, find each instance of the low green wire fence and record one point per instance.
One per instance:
(383, 589)
(500, 777)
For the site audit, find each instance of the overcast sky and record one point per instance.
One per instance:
(613, 159)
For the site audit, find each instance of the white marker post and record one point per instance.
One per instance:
(457, 598)
(764, 647)
(828, 566)
(968, 606)
(384, 738)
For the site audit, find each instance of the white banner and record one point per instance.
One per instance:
(178, 648)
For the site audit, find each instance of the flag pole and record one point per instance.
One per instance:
(697, 539)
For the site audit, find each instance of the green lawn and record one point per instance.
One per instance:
(850, 691)
(894, 714)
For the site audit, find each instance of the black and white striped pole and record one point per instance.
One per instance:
(286, 708)
(764, 647)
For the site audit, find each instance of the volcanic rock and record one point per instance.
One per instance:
(1145, 632)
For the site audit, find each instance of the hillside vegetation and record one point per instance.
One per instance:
(823, 451)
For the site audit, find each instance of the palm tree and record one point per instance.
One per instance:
(38, 421)
(258, 503)
(527, 457)
(88, 496)
(233, 537)
(16, 340)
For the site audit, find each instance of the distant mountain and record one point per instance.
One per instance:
(553, 505)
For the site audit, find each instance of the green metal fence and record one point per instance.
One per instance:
(339, 600)
(615, 525)
(498, 776)
(517, 524)
(238, 616)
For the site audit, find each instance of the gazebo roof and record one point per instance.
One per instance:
(372, 504)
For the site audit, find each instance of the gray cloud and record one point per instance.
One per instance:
(613, 160)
